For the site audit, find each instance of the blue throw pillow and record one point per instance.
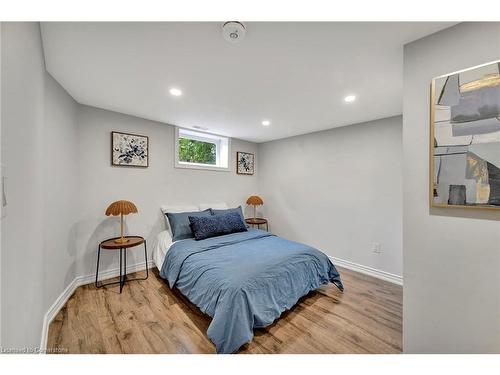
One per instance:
(216, 225)
(229, 210)
(180, 225)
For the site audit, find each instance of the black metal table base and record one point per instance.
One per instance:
(123, 270)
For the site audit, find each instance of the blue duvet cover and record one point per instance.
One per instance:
(244, 280)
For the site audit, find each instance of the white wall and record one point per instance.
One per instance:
(161, 183)
(60, 181)
(338, 190)
(1, 185)
(22, 229)
(451, 256)
(38, 142)
(60, 190)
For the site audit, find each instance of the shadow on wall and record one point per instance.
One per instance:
(109, 227)
(105, 229)
(158, 226)
(71, 247)
(248, 211)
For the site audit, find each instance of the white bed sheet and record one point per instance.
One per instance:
(163, 243)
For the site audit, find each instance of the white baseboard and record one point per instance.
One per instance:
(390, 277)
(54, 309)
(70, 289)
(104, 275)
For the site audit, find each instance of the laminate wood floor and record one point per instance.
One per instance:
(148, 317)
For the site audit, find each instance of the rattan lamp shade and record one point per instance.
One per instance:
(255, 201)
(121, 208)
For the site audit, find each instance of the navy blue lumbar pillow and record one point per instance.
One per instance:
(217, 225)
(229, 210)
(180, 225)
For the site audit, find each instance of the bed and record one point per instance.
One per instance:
(242, 280)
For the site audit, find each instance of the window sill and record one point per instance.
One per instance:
(202, 167)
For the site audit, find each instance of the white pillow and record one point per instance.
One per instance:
(176, 209)
(216, 206)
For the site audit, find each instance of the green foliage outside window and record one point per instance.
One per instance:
(193, 151)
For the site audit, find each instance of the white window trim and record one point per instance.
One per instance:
(205, 137)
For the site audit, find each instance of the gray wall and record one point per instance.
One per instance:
(22, 229)
(451, 257)
(60, 190)
(149, 188)
(60, 181)
(38, 142)
(1, 186)
(339, 190)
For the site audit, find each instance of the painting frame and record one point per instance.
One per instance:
(113, 150)
(241, 169)
(433, 146)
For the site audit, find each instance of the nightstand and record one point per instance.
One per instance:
(257, 222)
(110, 244)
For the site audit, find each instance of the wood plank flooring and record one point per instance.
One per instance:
(148, 317)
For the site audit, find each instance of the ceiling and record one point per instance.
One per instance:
(295, 75)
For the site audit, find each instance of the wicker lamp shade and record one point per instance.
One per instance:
(121, 208)
(255, 201)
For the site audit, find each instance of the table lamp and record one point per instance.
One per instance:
(121, 208)
(255, 201)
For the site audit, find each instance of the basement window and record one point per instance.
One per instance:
(198, 150)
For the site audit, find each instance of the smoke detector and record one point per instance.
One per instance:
(233, 31)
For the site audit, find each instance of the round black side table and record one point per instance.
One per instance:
(110, 244)
(257, 221)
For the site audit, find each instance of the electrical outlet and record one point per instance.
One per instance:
(376, 248)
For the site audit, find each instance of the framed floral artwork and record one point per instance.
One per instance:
(129, 150)
(245, 163)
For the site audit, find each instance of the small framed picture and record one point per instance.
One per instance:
(245, 163)
(129, 150)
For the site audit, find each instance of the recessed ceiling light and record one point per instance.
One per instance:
(175, 92)
(350, 98)
(266, 122)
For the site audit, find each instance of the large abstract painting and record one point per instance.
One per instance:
(129, 150)
(465, 138)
